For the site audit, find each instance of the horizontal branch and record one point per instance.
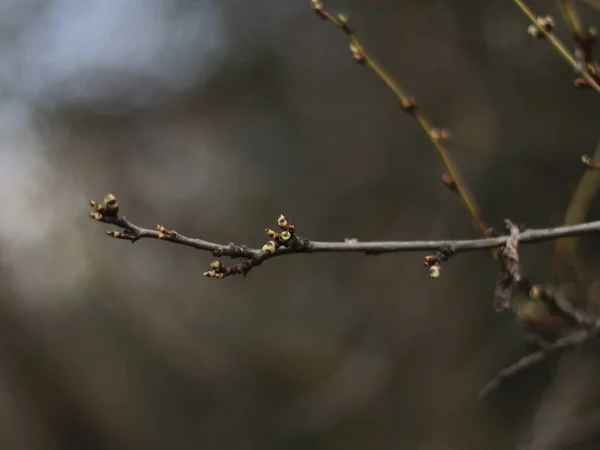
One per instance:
(297, 244)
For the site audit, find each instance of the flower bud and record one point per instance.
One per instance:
(216, 265)
(270, 247)
(96, 206)
(282, 221)
(434, 271)
(535, 292)
(111, 204)
(357, 54)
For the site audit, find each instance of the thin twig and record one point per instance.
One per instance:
(408, 103)
(573, 339)
(581, 327)
(559, 46)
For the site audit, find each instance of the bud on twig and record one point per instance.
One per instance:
(357, 54)
(344, 24)
(96, 206)
(317, 6)
(164, 233)
(282, 221)
(434, 270)
(434, 262)
(580, 83)
(589, 162)
(213, 274)
(440, 134)
(409, 105)
(111, 204)
(270, 247)
(547, 23)
(217, 265)
(450, 182)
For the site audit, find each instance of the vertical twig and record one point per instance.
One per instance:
(583, 38)
(437, 138)
(565, 249)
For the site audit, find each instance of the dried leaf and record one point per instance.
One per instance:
(511, 273)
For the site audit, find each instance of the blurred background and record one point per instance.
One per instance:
(212, 118)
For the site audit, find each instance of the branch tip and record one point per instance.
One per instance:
(589, 163)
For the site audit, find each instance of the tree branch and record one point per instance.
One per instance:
(280, 246)
(571, 340)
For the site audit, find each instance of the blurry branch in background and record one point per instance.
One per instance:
(577, 210)
(584, 38)
(594, 161)
(565, 250)
(438, 137)
(547, 307)
(573, 339)
(287, 242)
(582, 61)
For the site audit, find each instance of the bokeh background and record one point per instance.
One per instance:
(212, 118)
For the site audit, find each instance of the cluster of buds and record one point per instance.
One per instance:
(163, 232)
(109, 209)
(282, 238)
(218, 270)
(434, 262)
(546, 23)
